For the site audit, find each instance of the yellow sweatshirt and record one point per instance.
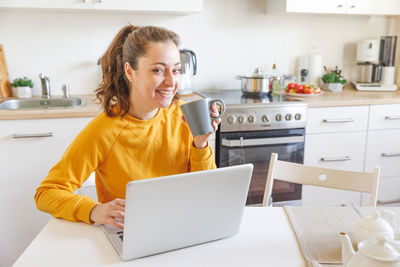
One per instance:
(119, 150)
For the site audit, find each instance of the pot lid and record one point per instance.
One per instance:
(257, 74)
(380, 249)
(375, 223)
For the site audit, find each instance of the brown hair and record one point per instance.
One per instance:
(128, 45)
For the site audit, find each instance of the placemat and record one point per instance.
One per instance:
(317, 230)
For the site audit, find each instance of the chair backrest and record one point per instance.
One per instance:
(325, 177)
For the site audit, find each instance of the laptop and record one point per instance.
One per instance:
(177, 211)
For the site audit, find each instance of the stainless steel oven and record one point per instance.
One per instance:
(253, 128)
(255, 147)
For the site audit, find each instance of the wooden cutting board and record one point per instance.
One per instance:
(5, 87)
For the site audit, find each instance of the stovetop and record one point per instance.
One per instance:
(258, 113)
(236, 97)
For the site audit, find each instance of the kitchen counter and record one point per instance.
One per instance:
(351, 97)
(348, 97)
(92, 109)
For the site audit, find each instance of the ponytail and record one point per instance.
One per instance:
(127, 46)
(113, 88)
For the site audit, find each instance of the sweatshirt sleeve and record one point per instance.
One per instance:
(55, 194)
(201, 158)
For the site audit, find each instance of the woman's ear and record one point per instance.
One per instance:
(129, 72)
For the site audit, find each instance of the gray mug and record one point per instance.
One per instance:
(198, 115)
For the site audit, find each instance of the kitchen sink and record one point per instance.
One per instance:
(41, 103)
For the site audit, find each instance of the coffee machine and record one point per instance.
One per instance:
(375, 64)
(188, 70)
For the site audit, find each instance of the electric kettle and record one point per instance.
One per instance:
(188, 70)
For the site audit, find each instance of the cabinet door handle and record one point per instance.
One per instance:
(337, 120)
(388, 201)
(340, 6)
(32, 135)
(345, 158)
(352, 6)
(389, 155)
(392, 118)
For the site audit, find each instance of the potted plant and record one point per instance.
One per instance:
(333, 80)
(22, 87)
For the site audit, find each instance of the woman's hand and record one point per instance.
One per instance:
(112, 212)
(200, 141)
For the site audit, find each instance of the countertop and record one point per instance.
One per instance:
(92, 109)
(348, 97)
(351, 97)
(265, 239)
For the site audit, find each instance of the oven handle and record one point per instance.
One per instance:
(262, 141)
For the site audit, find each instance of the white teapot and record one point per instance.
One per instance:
(373, 227)
(371, 253)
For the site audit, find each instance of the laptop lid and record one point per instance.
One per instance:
(171, 212)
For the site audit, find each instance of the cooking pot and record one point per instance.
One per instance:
(258, 83)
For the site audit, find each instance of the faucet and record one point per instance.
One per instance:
(45, 85)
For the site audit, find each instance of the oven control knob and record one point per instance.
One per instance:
(288, 117)
(241, 119)
(264, 118)
(251, 118)
(297, 116)
(278, 117)
(231, 119)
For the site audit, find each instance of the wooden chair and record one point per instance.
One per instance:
(325, 177)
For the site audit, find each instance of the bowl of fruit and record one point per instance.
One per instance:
(302, 90)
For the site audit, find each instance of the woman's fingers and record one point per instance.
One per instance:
(114, 222)
(214, 110)
(117, 214)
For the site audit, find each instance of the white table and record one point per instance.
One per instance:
(265, 239)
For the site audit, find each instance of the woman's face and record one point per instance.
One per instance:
(155, 81)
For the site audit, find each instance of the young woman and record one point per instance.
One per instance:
(141, 133)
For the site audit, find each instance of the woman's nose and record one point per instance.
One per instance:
(170, 79)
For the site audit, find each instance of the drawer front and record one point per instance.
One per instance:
(384, 117)
(383, 149)
(389, 191)
(337, 119)
(62, 126)
(344, 151)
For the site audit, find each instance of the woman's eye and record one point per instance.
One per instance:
(176, 71)
(158, 70)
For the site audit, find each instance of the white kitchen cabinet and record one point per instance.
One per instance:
(25, 162)
(343, 151)
(337, 119)
(335, 138)
(46, 4)
(388, 191)
(126, 6)
(350, 7)
(383, 149)
(384, 117)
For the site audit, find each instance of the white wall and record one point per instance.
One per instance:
(230, 37)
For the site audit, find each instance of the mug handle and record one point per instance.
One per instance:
(222, 108)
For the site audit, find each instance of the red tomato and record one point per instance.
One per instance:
(308, 90)
(299, 87)
(291, 86)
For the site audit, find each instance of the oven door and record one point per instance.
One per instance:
(255, 147)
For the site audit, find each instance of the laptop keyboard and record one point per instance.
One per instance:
(121, 235)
